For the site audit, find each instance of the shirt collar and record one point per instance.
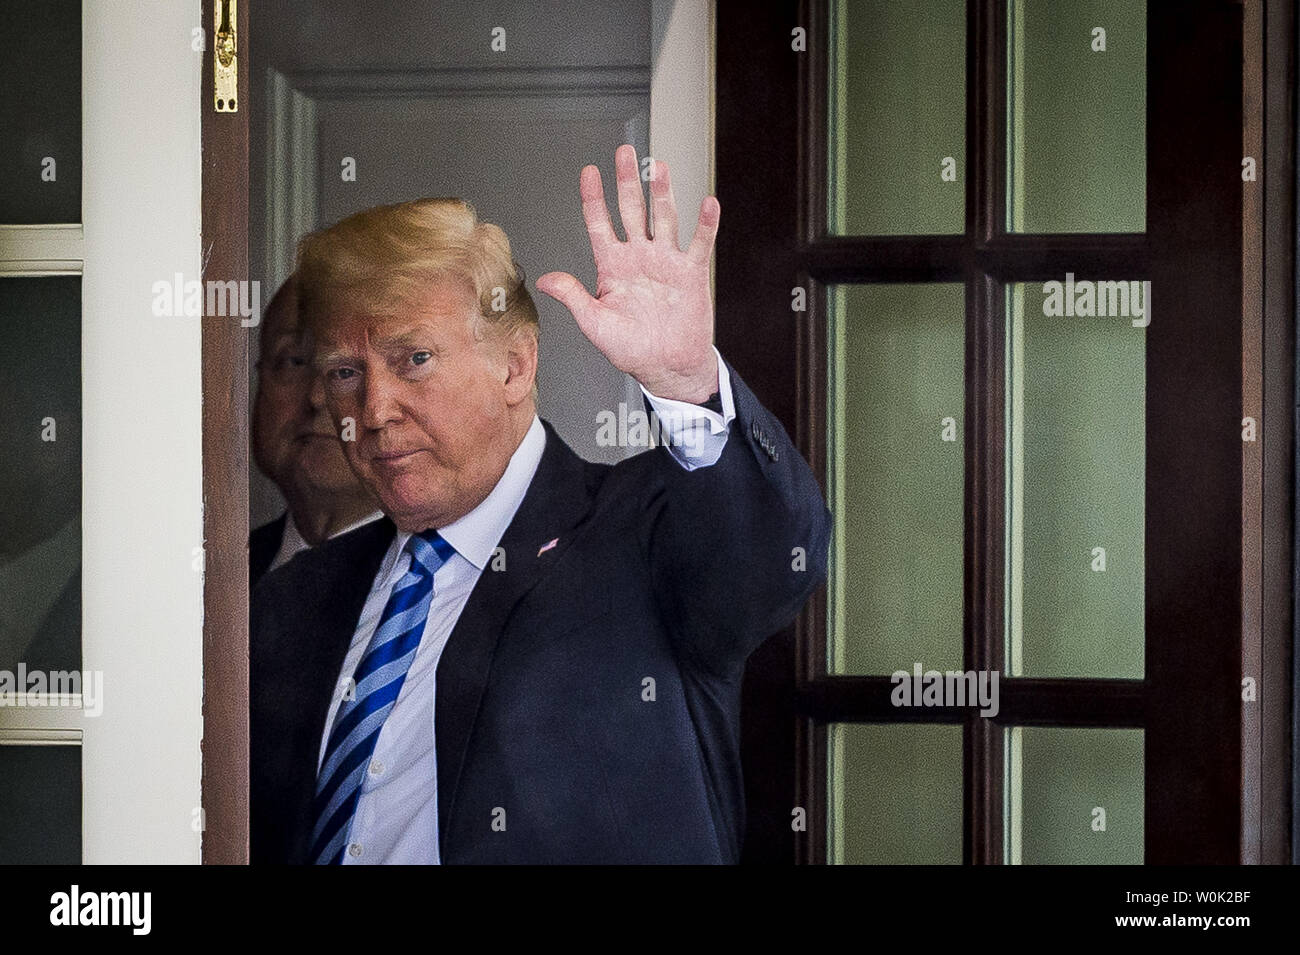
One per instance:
(477, 534)
(372, 516)
(292, 541)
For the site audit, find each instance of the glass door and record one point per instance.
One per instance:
(1018, 371)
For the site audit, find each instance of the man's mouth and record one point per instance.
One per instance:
(389, 457)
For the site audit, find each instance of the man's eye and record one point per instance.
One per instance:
(340, 374)
(420, 357)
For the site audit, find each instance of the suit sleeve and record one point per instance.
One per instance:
(695, 434)
(736, 548)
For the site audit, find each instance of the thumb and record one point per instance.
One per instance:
(568, 291)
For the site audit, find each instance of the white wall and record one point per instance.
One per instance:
(142, 510)
(681, 101)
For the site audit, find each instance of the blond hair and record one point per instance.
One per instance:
(380, 259)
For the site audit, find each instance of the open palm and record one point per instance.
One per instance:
(652, 315)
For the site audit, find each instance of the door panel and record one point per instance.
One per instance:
(101, 572)
(1080, 433)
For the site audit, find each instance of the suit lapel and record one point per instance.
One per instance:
(347, 574)
(555, 503)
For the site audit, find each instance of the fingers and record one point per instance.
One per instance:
(631, 202)
(594, 211)
(570, 293)
(663, 205)
(706, 230)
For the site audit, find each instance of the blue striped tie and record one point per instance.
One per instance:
(377, 682)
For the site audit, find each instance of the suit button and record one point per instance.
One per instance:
(354, 850)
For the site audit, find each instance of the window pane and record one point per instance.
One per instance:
(895, 794)
(1076, 471)
(40, 805)
(40, 473)
(1074, 796)
(1076, 116)
(897, 117)
(40, 113)
(896, 459)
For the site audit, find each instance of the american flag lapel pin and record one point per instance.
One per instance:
(547, 546)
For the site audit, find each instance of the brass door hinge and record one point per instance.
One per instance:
(225, 60)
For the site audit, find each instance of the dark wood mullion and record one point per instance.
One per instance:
(984, 493)
(812, 343)
(986, 99)
(950, 258)
(983, 550)
(811, 627)
(1022, 701)
(813, 91)
(1043, 256)
(940, 258)
(811, 791)
(757, 135)
(1193, 420)
(812, 377)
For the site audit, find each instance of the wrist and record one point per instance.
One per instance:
(695, 387)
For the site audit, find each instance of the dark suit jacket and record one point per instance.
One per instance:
(263, 545)
(659, 574)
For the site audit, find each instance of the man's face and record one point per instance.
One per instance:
(431, 403)
(294, 442)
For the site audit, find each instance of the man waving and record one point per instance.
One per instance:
(533, 658)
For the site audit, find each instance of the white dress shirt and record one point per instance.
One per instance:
(396, 819)
(292, 541)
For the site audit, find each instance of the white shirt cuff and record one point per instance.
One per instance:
(695, 436)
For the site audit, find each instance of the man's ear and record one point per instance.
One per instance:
(521, 364)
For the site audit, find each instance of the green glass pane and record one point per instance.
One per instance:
(40, 473)
(1076, 116)
(40, 805)
(895, 794)
(896, 417)
(897, 117)
(1076, 471)
(1074, 796)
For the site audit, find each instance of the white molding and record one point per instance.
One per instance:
(681, 109)
(58, 715)
(439, 83)
(291, 160)
(291, 199)
(35, 737)
(39, 250)
(141, 435)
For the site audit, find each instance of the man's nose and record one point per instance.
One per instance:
(316, 393)
(379, 405)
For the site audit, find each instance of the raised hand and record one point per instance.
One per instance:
(652, 315)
